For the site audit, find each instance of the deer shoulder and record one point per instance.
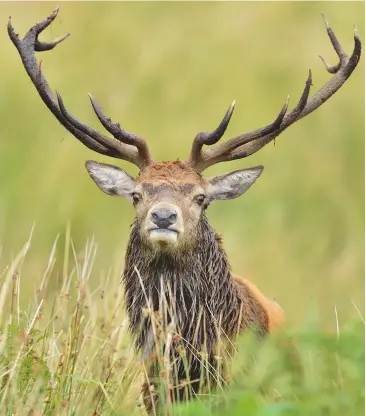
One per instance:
(272, 315)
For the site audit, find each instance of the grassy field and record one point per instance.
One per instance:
(75, 358)
(167, 71)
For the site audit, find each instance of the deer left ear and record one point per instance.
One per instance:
(233, 184)
(110, 179)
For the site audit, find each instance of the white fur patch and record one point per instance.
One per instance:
(163, 236)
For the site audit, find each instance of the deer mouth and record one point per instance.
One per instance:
(163, 235)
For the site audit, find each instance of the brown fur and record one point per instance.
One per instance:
(170, 172)
(272, 311)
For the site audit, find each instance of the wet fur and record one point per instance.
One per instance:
(195, 288)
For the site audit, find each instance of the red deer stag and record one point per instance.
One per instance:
(176, 267)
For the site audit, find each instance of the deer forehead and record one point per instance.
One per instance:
(161, 189)
(164, 175)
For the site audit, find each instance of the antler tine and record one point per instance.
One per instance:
(209, 138)
(332, 86)
(346, 68)
(254, 145)
(252, 135)
(89, 137)
(337, 47)
(129, 154)
(237, 149)
(26, 48)
(47, 46)
(122, 135)
(202, 158)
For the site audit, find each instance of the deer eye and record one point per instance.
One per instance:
(136, 197)
(200, 199)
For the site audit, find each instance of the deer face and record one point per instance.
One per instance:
(170, 197)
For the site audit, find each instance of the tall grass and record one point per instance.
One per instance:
(69, 353)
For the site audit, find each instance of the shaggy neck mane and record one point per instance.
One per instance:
(193, 291)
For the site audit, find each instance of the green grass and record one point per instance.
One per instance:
(69, 353)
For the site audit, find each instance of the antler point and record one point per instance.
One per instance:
(10, 26)
(310, 77)
(325, 21)
(286, 102)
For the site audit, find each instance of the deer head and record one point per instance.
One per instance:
(170, 197)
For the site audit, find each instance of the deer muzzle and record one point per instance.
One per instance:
(164, 224)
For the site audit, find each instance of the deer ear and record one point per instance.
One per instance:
(110, 179)
(233, 184)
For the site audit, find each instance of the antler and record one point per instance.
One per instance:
(127, 146)
(249, 143)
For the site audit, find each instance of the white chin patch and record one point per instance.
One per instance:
(163, 236)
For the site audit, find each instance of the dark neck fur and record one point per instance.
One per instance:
(196, 288)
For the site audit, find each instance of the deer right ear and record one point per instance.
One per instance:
(233, 184)
(110, 179)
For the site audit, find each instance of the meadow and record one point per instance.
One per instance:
(168, 71)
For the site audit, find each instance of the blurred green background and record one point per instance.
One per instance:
(168, 71)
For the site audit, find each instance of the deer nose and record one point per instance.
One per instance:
(163, 218)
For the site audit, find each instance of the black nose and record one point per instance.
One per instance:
(163, 219)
